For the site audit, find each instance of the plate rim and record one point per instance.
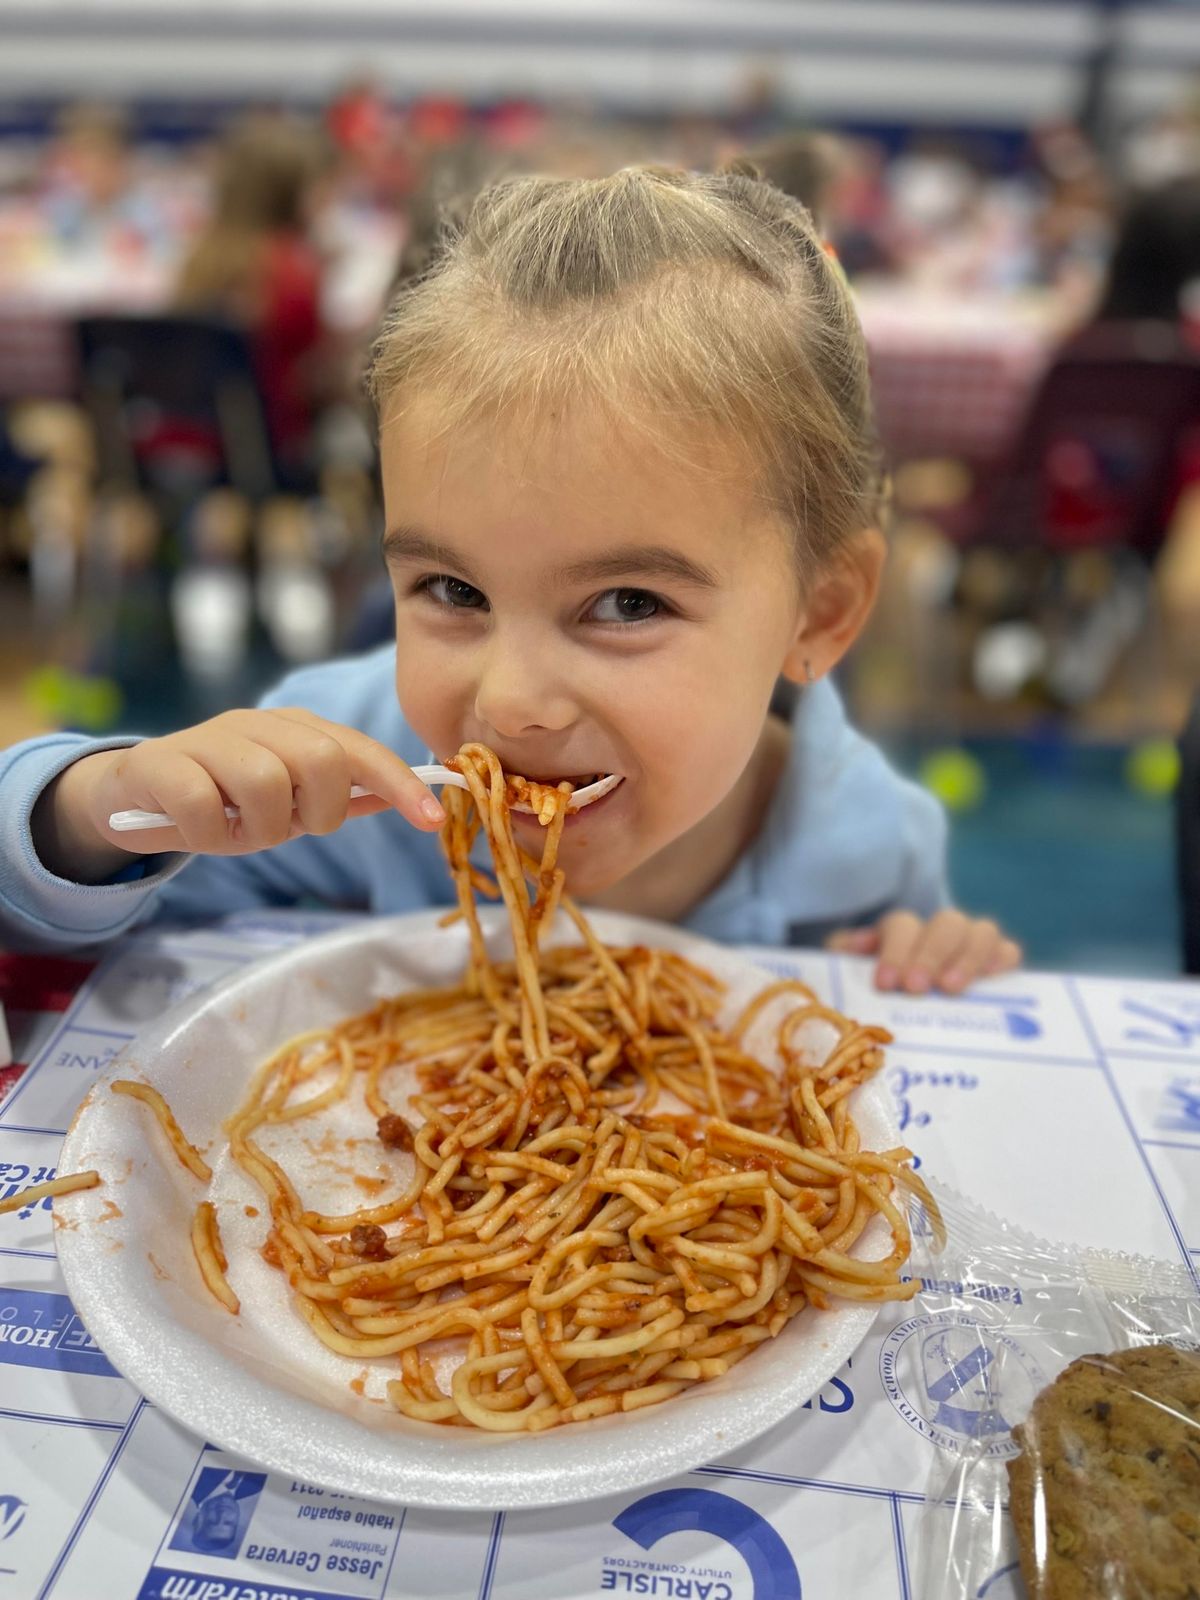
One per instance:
(429, 1484)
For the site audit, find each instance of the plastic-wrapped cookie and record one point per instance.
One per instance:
(1105, 1494)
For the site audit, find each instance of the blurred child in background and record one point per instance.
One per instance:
(1154, 274)
(257, 265)
(94, 195)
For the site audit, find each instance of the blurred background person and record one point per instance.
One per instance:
(803, 165)
(95, 195)
(1154, 273)
(256, 262)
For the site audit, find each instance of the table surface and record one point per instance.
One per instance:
(953, 374)
(1070, 1105)
(40, 303)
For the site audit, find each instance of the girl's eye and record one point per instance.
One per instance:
(454, 593)
(627, 605)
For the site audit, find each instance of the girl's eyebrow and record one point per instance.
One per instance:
(641, 561)
(405, 543)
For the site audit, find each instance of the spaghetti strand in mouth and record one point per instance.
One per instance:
(539, 796)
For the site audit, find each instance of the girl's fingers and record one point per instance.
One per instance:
(976, 957)
(1008, 956)
(949, 952)
(319, 772)
(257, 781)
(186, 791)
(854, 941)
(898, 935)
(942, 939)
(363, 805)
(287, 772)
(378, 769)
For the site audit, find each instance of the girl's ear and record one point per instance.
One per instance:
(836, 607)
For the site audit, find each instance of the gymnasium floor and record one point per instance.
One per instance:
(1067, 856)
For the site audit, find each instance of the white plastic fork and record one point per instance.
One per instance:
(135, 821)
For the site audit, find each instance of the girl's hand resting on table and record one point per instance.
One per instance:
(947, 952)
(288, 771)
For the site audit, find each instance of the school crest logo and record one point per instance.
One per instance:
(959, 1382)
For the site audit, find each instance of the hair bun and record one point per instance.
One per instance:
(741, 167)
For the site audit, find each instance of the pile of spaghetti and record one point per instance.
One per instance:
(610, 1198)
(604, 1196)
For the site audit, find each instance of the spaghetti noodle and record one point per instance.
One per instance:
(610, 1197)
(210, 1255)
(67, 1184)
(188, 1155)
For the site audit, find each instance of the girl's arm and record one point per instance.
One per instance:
(67, 879)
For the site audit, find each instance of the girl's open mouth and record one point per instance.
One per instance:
(526, 794)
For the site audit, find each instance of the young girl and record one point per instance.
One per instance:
(629, 480)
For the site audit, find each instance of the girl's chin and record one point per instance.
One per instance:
(590, 865)
(600, 845)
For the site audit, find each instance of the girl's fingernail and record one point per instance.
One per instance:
(917, 981)
(885, 976)
(432, 811)
(956, 978)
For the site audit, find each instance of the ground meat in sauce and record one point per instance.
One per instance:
(367, 1239)
(395, 1132)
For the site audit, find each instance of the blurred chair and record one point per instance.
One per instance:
(175, 405)
(1093, 466)
(16, 468)
(1057, 543)
(1187, 821)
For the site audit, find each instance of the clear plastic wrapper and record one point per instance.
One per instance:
(1061, 1388)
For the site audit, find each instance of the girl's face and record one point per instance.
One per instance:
(585, 605)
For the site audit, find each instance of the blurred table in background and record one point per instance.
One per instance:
(44, 290)
(37, 355)
(953, 375)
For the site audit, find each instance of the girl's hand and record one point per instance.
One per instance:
(948, 952)
(289, 772)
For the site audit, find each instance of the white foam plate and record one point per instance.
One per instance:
(260, 1383)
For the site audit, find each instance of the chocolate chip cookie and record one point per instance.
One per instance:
(1105, 1494)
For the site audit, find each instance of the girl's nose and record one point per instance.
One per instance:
(519, 692)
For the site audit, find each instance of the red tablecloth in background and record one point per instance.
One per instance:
(953, 377)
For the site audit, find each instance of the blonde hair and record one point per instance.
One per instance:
(684, 301)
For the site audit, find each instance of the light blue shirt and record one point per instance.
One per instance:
(845, 839)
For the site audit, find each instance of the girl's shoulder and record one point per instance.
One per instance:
(847, 837)
(840, 796)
